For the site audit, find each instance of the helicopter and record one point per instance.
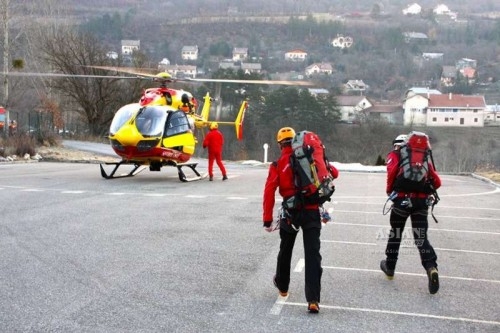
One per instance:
(159, 129)
(159, 135)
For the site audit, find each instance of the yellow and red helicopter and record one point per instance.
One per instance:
(159, 130)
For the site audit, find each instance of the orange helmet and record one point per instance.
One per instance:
(214, 125)
(285, 133)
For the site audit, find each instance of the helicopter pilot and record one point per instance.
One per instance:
(144, 125)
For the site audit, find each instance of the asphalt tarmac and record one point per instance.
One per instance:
(79, 253)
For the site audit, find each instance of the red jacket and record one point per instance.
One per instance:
(281, 176)
(393, 170)
(214, 140)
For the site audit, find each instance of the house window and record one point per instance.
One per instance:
(475, 120)
(434, 119)
(475, 111)
(446, 119)
(462, 121)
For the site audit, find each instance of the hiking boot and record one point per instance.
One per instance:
(313, 307)
(389, 273)
(224, 177)
(432, 274)
(211, 178)
(281, 292)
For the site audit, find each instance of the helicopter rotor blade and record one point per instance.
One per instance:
(33, 74)
(268, 82)
(148, 72)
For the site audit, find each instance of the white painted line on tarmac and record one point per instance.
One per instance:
(400, 313)
(344, 242)
(116, 193)
(440, 216)
(440, 205)
(496, 190)
(236, 198)
(410, 247)
(32, 190)
(278, 305)
(154, 194)
(72, 192)
(196, 196)
(410, 274)
(467, 251)
(300, 265)
(433, 229)
(469, 218)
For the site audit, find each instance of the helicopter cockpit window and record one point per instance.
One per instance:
(150, 121)
(122, 115)
(177, 123)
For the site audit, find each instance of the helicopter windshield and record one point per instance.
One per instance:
(122, 115)
(151, 121)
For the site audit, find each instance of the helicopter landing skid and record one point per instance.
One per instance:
(135, 170)
(182, 175)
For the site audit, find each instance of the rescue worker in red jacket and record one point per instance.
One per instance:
(416, 206)
(214, 141)
(307, 218)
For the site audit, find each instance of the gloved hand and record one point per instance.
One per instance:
(268, 226)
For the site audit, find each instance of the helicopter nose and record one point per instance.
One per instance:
(127, 135)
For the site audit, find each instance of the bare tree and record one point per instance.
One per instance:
(96, 99)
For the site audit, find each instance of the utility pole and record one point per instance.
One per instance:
(5, 19)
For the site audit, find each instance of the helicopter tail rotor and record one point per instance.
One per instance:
(205, 111)
(239, 120)
(238, 123)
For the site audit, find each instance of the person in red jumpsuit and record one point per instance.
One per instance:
(414, 205)
(214, 141)
(307, 218)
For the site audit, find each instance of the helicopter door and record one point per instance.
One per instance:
(177, 123)
(178, 134)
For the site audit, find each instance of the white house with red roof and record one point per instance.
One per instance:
(456, 110)
(319, 68)
(296, 55)
(435, 109)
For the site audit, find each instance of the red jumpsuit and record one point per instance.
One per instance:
(214, 141)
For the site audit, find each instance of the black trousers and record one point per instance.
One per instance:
(310, 223)
(418, 211)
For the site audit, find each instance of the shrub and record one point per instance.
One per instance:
(18, 145)
(380, 160)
